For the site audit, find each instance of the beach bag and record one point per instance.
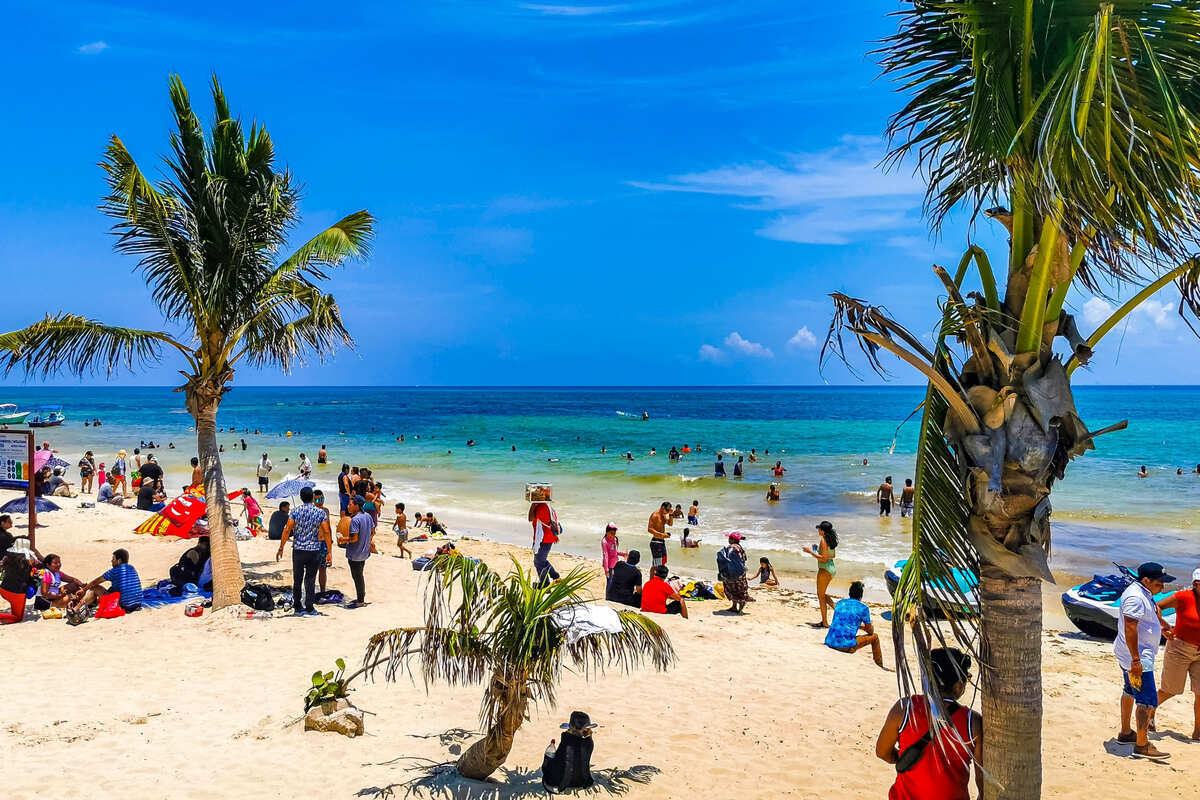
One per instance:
(110, 606)
(728, 564)
(257, 597)
(331, 596)
(423, 563)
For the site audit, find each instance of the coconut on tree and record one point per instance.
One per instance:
(209, 239)
(503, 631)
(1076, 126)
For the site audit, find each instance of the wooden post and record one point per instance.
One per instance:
(29, 493)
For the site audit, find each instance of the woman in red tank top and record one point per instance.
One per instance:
(1182, 656)
(939, 767)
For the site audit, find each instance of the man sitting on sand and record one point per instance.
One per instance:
(849, 615)
(625, 586)
(122, 578)
(58, 485)
(659, 597)
(108, 493)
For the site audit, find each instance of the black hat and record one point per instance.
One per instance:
(1155, 572)
(579, 721)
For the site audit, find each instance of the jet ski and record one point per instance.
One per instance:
(1093, 607)
(965, 581)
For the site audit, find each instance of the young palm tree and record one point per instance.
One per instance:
(208, 239)
(481, 626)
(1075, 125)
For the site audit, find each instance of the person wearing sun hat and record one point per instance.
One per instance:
(1181, 659)
(570, 765)
(118, 471)
(1140, 625)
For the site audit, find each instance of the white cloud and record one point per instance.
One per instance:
(826, 197)
(710, 353)
(1096, 310)
(803, 339)
(737, 343)
(570, 11)
(1151, 314)
(93, 48)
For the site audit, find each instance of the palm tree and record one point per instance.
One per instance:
(207, 238)
(481, 626)
(1075, 125)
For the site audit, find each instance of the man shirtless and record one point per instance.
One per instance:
(657, 528)
(907, 495)
(884, 495)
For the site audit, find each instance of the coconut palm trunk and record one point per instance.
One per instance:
(226, 561)
(488, 754)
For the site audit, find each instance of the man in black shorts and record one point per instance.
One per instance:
(657, 528)
(884, 495)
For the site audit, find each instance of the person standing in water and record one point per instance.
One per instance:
(693, 515)
(322, 455)
(884, 495)
(907, 495)
(825, 553)
(719, 467)
(737, 468)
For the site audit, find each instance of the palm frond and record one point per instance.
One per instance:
(271, 338)
(77, 345)
(349, 237)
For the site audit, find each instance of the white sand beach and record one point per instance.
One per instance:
(157, 704)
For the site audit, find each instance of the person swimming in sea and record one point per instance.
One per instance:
(773, 493)
(1143, 472)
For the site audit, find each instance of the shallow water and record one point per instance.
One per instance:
(821, 434)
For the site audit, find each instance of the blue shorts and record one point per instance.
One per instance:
(693, 521)
(1148, 694)
(344, 501)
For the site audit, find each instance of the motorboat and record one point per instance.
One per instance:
(47, 417)
(966, 585)
(10, 416)
(1094, 607)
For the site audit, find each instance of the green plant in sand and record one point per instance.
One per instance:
(482, 627)
(1076, 126)
(209, 239)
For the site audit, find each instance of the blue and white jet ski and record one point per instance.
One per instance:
(1094, 606)
(965, 581)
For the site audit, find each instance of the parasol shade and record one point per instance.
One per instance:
(289, 488)
(20, 505)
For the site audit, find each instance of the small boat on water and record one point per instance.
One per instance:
(10, 416)
(966, 585)
(47, 417)
(1094, 607)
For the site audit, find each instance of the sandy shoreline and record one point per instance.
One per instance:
(157, 704)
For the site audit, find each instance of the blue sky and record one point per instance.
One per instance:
(647, 192)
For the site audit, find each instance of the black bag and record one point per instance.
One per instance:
(257, 597)
(422, 563)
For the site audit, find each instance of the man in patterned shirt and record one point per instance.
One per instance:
(307, 526)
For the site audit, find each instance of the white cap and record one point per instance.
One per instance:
(1196, 575)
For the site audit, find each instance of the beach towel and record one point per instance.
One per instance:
(585, 619)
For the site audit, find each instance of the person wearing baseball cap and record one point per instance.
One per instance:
(1181, 659)
(1139, 627)
(609, 554)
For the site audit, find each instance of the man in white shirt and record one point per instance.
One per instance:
(1139, 627)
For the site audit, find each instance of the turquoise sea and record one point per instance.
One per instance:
(1103, 511)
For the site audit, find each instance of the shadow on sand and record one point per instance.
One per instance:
(440, 781)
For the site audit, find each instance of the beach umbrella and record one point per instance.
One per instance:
(20, 505)
(289, 488)
(179, 518)
(55, 462)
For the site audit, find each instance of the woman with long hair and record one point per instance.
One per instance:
(825, 553)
